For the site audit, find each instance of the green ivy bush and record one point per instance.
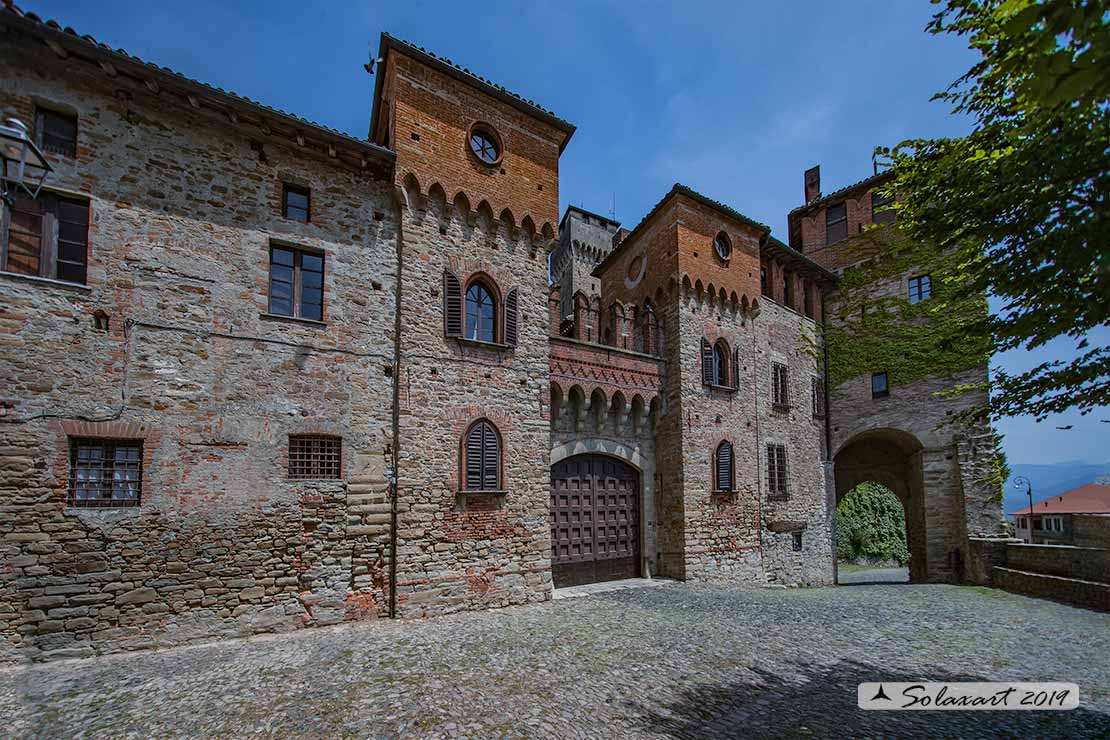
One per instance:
(871, 526)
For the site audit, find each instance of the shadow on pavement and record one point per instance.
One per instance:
(820, 701)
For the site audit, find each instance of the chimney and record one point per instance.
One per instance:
(813, 183)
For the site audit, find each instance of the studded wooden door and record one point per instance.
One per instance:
(595, 520)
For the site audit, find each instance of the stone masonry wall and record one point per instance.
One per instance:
(457, 550)
(183, 212)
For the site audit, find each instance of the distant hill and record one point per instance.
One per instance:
(1049, 481)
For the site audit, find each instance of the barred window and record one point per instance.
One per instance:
(817, 394)
(780, 394)
(776, 470)
(797, 541)
(105, 472)
(314, 457)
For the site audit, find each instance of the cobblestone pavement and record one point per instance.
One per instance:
(687, 661)
(875, 575)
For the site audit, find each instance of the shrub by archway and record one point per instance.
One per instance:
(871, 526)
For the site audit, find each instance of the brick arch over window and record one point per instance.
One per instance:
(480, 457)
(719, 364)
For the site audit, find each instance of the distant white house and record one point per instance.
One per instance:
(1080, 516)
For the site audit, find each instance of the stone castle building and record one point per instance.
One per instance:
(261, 375)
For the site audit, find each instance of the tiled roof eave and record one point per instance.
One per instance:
(844, 191)
(114, 62)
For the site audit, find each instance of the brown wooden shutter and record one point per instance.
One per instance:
(724, 467)
(706, 362)
(491, 459)
(511, 318)
(736, 368)
(452, 305)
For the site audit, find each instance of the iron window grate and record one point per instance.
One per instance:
(105, 472)
(314, 457)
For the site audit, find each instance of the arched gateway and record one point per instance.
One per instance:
(595, 520)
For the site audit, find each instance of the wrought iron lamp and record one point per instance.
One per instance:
(1020, 481)
(24, 167)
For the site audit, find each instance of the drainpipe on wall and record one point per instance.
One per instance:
(394, 487)
(828, 436)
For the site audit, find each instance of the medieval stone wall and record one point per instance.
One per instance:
(459, 550)
(183, 214)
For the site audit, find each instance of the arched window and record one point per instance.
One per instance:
(723, 468)
(481, 313)
(720, 363)
(482, 457)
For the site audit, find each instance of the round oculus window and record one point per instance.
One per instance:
(485, 144)
(635, 266)
(722, 246)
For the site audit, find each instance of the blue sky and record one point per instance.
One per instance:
(735, 99)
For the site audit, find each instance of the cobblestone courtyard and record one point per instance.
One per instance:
(675, 661)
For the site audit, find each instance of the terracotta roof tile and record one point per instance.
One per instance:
(1093, 498)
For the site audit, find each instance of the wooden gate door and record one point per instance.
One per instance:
(595, 520)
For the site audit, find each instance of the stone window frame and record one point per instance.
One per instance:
(464, 482)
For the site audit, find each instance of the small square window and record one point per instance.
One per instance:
(797, 542)
(56, 132)
(295, 202)
(105, 473)
(314, 457)
(879, 385)
(921, 288)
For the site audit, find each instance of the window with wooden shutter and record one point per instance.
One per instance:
(47, 236)
(723, 466)
(736, 368)
(706, 362)
(482, 449)
(452, 305)
(511, 318)
(776, 470)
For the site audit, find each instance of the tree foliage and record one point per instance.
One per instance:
(1022, 201)
(870, 525)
